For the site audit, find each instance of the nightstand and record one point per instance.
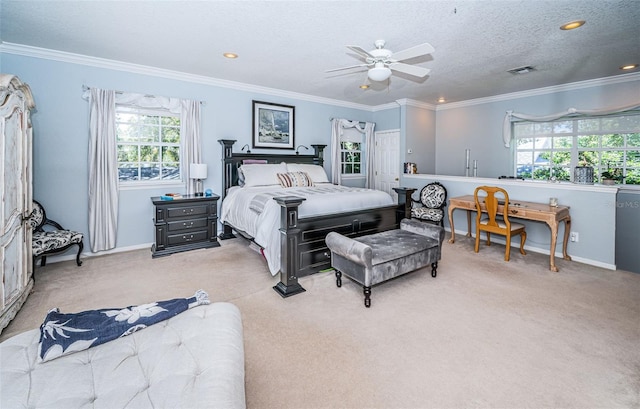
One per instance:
(184, 224)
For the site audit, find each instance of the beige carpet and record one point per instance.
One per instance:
(483, 334)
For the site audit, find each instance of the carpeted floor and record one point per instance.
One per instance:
(484, 333)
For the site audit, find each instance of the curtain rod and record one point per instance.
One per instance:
(87, 88)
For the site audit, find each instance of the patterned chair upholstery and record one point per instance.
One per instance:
(55, 239)
(430, 207)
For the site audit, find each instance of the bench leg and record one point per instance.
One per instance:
(367, 296)
(338, 278)
(434, 269)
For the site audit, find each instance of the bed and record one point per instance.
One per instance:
(293, 222)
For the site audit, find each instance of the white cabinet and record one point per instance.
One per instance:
(16, 266)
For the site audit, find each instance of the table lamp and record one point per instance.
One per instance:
(198, 171)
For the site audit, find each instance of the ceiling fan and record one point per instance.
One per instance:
(382, 61)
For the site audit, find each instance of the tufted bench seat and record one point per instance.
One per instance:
(379, 257)
(193, 360)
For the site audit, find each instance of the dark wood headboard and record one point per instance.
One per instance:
(232, 161)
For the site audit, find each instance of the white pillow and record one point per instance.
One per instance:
(315, 172)
(262, 174)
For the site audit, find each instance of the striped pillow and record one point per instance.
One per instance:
(294, 179)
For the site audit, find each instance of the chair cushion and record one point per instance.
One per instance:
(45, 241)
(426, 213)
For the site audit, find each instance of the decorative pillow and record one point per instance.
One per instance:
(63, 334)
(315, 172)
(294, 179)
(262, 174)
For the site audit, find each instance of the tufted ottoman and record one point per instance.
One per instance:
(376, 258)
(193, 360)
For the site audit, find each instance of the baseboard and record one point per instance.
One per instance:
(85, 255)
(540, 250)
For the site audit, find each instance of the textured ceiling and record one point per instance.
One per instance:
(288, 45)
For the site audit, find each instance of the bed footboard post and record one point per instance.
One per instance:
(289, 238)
(404, 202)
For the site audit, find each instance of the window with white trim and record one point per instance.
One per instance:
(351, 152)
(550, 150)
(148, 144)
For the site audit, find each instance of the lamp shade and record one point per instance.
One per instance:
(379, 72)
(198, 171)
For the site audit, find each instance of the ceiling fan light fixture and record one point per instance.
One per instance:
(379, 72)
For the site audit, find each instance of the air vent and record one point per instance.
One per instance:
(521, 70)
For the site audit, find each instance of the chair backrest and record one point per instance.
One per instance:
(37, 217)
(492, 197)
(433, 196)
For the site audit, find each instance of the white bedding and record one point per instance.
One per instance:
(323, 198)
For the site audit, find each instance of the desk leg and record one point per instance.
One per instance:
(552, 250)
(468, 223)
(567, 229)
(453, 229)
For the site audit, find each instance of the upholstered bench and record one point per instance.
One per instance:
(379, 257)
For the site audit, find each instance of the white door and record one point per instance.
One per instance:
(387, 161)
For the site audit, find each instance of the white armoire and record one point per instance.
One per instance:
(16, 103)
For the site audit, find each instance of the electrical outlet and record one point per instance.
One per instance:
(575, 237)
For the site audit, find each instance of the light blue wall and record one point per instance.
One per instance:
(420, 137)
(479, 127)
(60, 144)
(597, 239)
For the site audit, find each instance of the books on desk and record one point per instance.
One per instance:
(171, 196)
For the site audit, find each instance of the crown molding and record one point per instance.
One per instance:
(62, 56)
(616, 79)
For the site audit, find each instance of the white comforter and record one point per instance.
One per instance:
(253, 210)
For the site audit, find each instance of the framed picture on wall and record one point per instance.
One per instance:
(273, 125)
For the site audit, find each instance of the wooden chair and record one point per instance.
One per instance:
(492, 222)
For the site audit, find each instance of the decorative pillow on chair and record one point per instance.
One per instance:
(62, 334)
(294, 179)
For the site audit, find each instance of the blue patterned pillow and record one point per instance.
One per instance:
(63, 334)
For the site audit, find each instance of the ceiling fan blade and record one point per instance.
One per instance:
(360, 51)
(409, 69)
(412, 52)
(347, 68)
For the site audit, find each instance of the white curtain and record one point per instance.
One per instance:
(337, 131)
(571, 112)
(103, 161)
(190, 145)
(103, 170)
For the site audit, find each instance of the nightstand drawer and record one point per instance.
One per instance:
(187, 224)
(179, 212)
(185, 238)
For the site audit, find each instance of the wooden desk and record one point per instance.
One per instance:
(538, 212)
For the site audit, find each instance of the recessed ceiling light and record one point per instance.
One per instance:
(572, 24)
(441, 99)
(230, 55)
(629, 67)
(364, 86)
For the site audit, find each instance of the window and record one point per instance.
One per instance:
(351, 157)
(550, 150)
(148, 144)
